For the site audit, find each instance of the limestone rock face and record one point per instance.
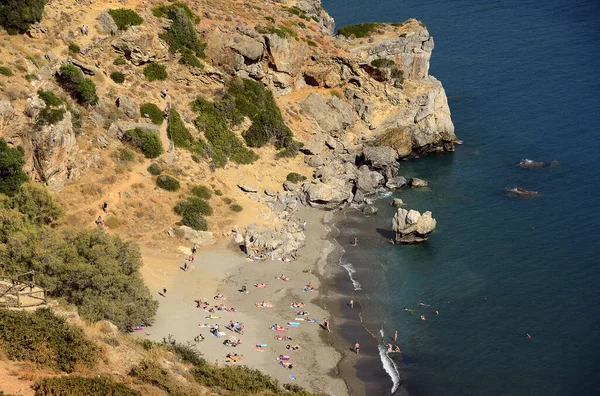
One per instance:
(380, 157)
(313, 8)
(128, 106)
(198, 237)
(396, 182)
(412, 227)
(271, 242)
(140, 46)
(331, 195)
(331, 114)
(287, 55)
(50, 150)
(107, 23)
(368, 181)
(248, 188)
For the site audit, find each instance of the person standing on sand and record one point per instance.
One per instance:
(304, 225)
(356, 347)
(326, 325)
(164, 291)
(395, 336)
(355, 243)
(194, 248)
(351, 303)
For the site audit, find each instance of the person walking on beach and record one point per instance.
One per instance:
(355, 243)
(194, 248)
(164, 291)
(356, 347)
(351, 303)
(326, 325)
(396, 337)
(304, 225)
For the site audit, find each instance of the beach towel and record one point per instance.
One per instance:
(292, 377)
(301, 319)
(259, 349)
(279, 331)
(262, 345)
(283, 358)
(221, 334)
(295, 324)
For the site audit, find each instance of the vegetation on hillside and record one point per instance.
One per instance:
(51, 113)
(193, 211)
(17, 15)
(125, 18)
(11, 172)
(81, 386)
(295, 177)
(5, 71)
(359, 30)
(393, 74)
(72, 80)
(117, 77)
(178, 132)
(155, 71)
(181, 36)
(45, 339)
(147, 141)
(153, 112)
(168, 183)
(97, 272)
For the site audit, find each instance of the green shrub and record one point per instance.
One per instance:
(193, 204)
(120, 61)
(186, 352)
(168, 183)
(81, 386)
(31, 77)
(49, 98)
(17, 15)
(124, 18)
(155, 71)
(117, 77)
(37, 204)
(236, 208)
(154, 169)
(236, 379)
(152, 373)
(253, 100)
(281, 31)
(50, 116)
(270, 19)
(83, 89)
(383, 62)
(177, 131)
(125, 155)
(359, 30)
(11, 172)
(147, 141)
(201, 192)
(295, 177)
(74, 48)
(311, 43)
(181, 36)
(218, 193)
(227, 201)
(153, 112)
(5, 71)
(46, 339)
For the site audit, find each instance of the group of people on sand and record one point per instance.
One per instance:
(206, 306)
(309, 287)
(264, 304)
(283, 278)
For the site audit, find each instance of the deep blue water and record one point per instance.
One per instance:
(523, 81)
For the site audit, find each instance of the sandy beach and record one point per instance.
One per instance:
(224, 269)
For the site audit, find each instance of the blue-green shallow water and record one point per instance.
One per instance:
(523, 81)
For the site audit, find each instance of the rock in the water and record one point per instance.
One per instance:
(380, 157)
(417, 183)
(369, 210)
(397, 202)
(128, 106)
(251, 188)
(396, 182)
(199, 237)
(527, 163)
(412, 227)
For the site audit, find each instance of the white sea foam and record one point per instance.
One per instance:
(384, 193)
(390, 367)
(351, 272)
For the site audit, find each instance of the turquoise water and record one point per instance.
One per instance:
(523, 81)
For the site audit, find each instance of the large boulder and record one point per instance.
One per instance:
(286, 55)
(107, 23)
(380, 157)
(396, 182)
(412, 227)
(198, 237)
(368, 181)
(415, 182)
(332, 195)
(140, 46)
(270, 243)
(128, 106)
(331, 114)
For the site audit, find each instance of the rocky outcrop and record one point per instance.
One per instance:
(313, 9)
(118, 129)
(412, 227)
(140, 46)
(333, 194)
(397, 202)
(107, 23)
(270, 243)
(128, 106)
(330, 114)
(197, 237)
(415, 182)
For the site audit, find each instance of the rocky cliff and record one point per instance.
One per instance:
(359, 105)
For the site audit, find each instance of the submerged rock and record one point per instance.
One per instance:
(397, 202)
(412, 227)
(396, 182)
(369, 210)
(417, 183)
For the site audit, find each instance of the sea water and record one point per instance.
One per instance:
(523, 82)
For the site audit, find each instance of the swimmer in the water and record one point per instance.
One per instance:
(528, 336)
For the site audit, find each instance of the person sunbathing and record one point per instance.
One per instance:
(232, 309)
(264, 304)
(260, 285)
(286, 365)
(283, 278)
(293, 347)
(297, 304)
(220, 297)
(303, 313)
(276, 327)
(283, 338)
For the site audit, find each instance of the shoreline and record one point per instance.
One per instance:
(224, 269)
